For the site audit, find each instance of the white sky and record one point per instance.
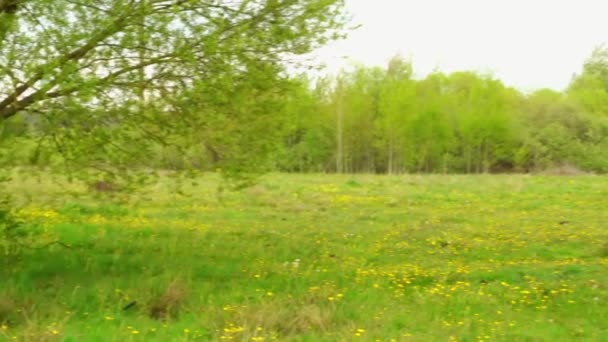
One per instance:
(528, 44)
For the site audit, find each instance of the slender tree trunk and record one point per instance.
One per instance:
(486, 160)
(390, 152)
(340, 132)
(469, 158)
(478, 162)
(142, 56)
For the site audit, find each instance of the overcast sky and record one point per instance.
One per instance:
(528, 44)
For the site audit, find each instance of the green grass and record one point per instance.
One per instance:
(317, 258)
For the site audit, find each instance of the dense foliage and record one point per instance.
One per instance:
(365, 120)
(104, 87)
(202, 85)
(386, 120)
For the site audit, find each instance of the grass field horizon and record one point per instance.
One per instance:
(315, 258)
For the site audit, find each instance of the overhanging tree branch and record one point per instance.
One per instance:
(214, 35)
(10, 105)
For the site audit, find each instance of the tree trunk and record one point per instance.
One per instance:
(339, 133)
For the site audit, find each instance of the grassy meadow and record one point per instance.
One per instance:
(315, 258)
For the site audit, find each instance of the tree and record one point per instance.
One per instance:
(105, 83)
(590, 88)
(597, 65)
(307, 132)
(102, 77)
(397, 105)
(481, 111)
(356, 100)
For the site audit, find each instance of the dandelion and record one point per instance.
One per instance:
(232, 329)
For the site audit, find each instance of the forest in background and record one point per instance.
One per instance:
(386, 120)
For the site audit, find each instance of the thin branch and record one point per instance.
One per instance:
(57, 242)
(89, 5)
(10, 105)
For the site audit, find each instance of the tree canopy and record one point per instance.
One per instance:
(387, 120)
(104, 82)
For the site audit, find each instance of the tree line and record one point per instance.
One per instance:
(384, 120)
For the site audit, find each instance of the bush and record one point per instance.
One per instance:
(12, 230)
